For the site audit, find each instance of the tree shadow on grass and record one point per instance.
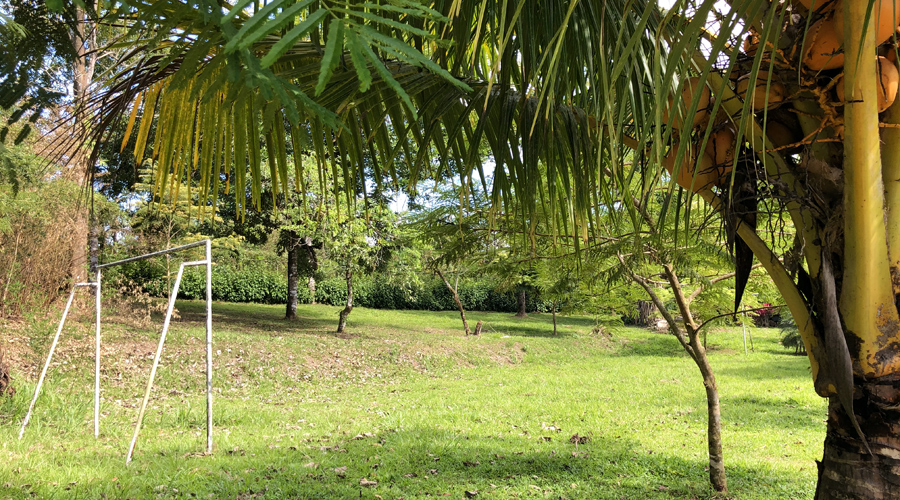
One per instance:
(246, 317)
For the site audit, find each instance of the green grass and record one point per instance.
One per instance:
(407, 401)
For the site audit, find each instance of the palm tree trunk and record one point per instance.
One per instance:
(342, 321)
(847, 471)
(462, 312)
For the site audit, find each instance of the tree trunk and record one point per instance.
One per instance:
(714, 419)
(462, 312)
(553, 308)
(697, 352)
(342, 321)
(84, 41)
(847, 471)
(292, 277)
(313, 267)
(521, 300)
(644, 313)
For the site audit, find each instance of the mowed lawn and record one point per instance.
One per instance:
(405, 406)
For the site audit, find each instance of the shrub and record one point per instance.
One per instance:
(258, 283)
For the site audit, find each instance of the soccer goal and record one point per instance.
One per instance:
(96, 286)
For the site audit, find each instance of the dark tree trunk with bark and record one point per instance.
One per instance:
(342, 321)
(847, 470)
(293, 277)
(645, 311)
(462, 312)
(521, 301)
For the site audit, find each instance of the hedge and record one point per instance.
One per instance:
(263, 286)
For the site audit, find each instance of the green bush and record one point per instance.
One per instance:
(259, 284)
(379, 292)
(229, 284)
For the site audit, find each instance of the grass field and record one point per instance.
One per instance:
(406, 401)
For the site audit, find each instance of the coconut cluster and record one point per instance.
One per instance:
(706, 166)
(818, 48)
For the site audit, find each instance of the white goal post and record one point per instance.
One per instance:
(96, 285)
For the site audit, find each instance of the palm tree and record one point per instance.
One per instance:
(577, 101)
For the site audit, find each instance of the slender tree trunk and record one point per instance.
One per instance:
(521, 300)
(553, 308)
(292, 276)
(696, 351)
(84, 41)
(714, 418)
(342, 321)
(462, 312)
(313, 267)
(847, 471)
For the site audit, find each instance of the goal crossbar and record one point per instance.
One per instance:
(96, 285)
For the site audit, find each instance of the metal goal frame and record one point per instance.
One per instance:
(96, 285)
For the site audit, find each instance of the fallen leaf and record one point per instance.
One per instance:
(433, 472)
(546, 438)
(411, 474)
(368, 484)
(471, 464)
(312, 465)
(663, 487)
(341, 471)
(471, 494)
(576, 439)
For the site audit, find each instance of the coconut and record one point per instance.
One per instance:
(780, 134)
(707, 175)
(762, 98)
(687, 96)
(824, 45)
(720, 147)
(888, 77)
(885, 16)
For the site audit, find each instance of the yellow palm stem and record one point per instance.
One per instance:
(867, 299)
